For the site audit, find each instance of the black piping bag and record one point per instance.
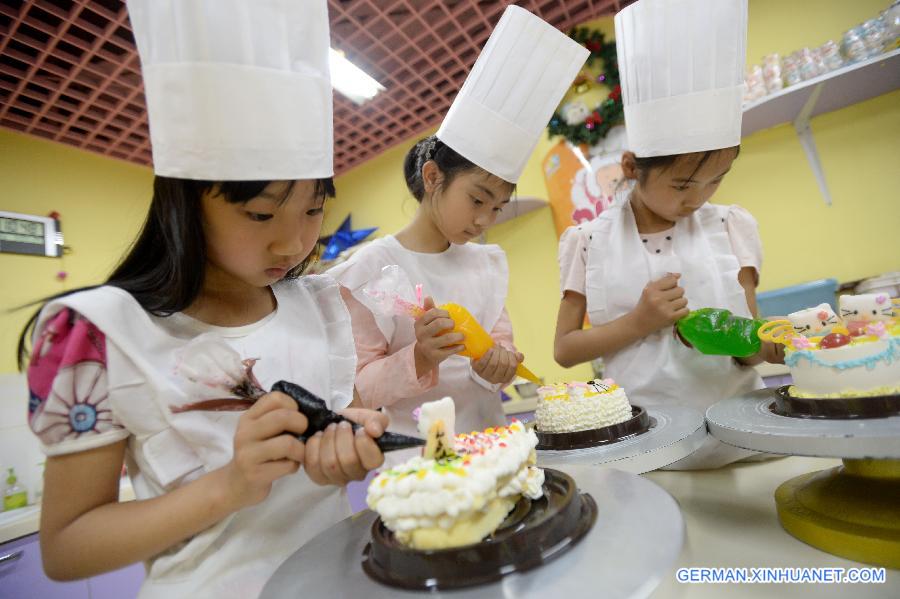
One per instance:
(319, 416)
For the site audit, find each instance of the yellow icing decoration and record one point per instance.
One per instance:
(794, 392)
(777, 331)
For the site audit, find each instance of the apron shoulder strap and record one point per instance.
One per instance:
(599, 248)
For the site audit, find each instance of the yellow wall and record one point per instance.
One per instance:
(102, 203)
(853, 239)
(804, 239)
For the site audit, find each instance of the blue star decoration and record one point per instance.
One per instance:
(344, 238)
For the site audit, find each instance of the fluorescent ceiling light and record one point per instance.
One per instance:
(351, 80)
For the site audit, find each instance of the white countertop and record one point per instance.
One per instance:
(731, 521)
(520, 406)
(25, 521)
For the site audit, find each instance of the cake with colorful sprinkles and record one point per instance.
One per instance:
(462, 487)
(852, 354)
(571, 407)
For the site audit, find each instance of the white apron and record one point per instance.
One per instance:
(308, 341)
(472, 275)
(659, 369)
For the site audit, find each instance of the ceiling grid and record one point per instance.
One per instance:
(69, 70)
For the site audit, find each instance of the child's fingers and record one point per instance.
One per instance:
(279, 421)
(282, 447)
(370, 456)
(271, 401)
(435, 314)
(450, 350)
(428, 303)
(491, 364)
(312, 462)
(679, 303)
(328, 460)
(496, 360)
(681, 313)
(484, 357)
(450, 339)
(520, 357)
(438, 326)
(374, 422)
(345, 448)
(673, 293)
(667, 282)
(480, 365)
(507, 367)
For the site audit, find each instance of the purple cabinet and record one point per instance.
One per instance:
(22, 577)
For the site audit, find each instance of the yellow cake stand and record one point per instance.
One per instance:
(853, 510)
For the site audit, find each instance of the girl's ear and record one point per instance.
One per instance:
(629, 166)
(431, 176)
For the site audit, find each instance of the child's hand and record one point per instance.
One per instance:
(772, 352)
(265, 449)
(662, 303)
(498, 365)
(338, 455)
(433, 343)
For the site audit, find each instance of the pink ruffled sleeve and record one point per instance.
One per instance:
(381, 378)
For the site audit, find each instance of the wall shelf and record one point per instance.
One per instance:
(826, 93)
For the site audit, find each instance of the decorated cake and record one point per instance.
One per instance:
(571, 407)
(852, 354)
(462, 487)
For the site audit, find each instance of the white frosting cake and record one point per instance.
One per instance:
(866, 367)
(570, 407)
(457, 500)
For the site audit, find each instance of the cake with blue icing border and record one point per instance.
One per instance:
(852, 354)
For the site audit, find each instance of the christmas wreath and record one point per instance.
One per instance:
(574, 120)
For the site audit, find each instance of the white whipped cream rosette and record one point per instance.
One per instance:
(458, 500)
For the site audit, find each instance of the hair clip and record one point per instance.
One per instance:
(429, 149)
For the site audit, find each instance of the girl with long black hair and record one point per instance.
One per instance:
(208, 302)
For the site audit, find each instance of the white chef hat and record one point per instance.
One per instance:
(236, 89)
(510, 94)
(681, 64)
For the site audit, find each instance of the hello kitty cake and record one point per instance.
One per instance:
(853, 354)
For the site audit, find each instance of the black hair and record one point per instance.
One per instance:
(164, 268)
(645, 165)
(448, 161)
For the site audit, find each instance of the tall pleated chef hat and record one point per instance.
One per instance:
(522, 73)
(681, 64)
(236, 89)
